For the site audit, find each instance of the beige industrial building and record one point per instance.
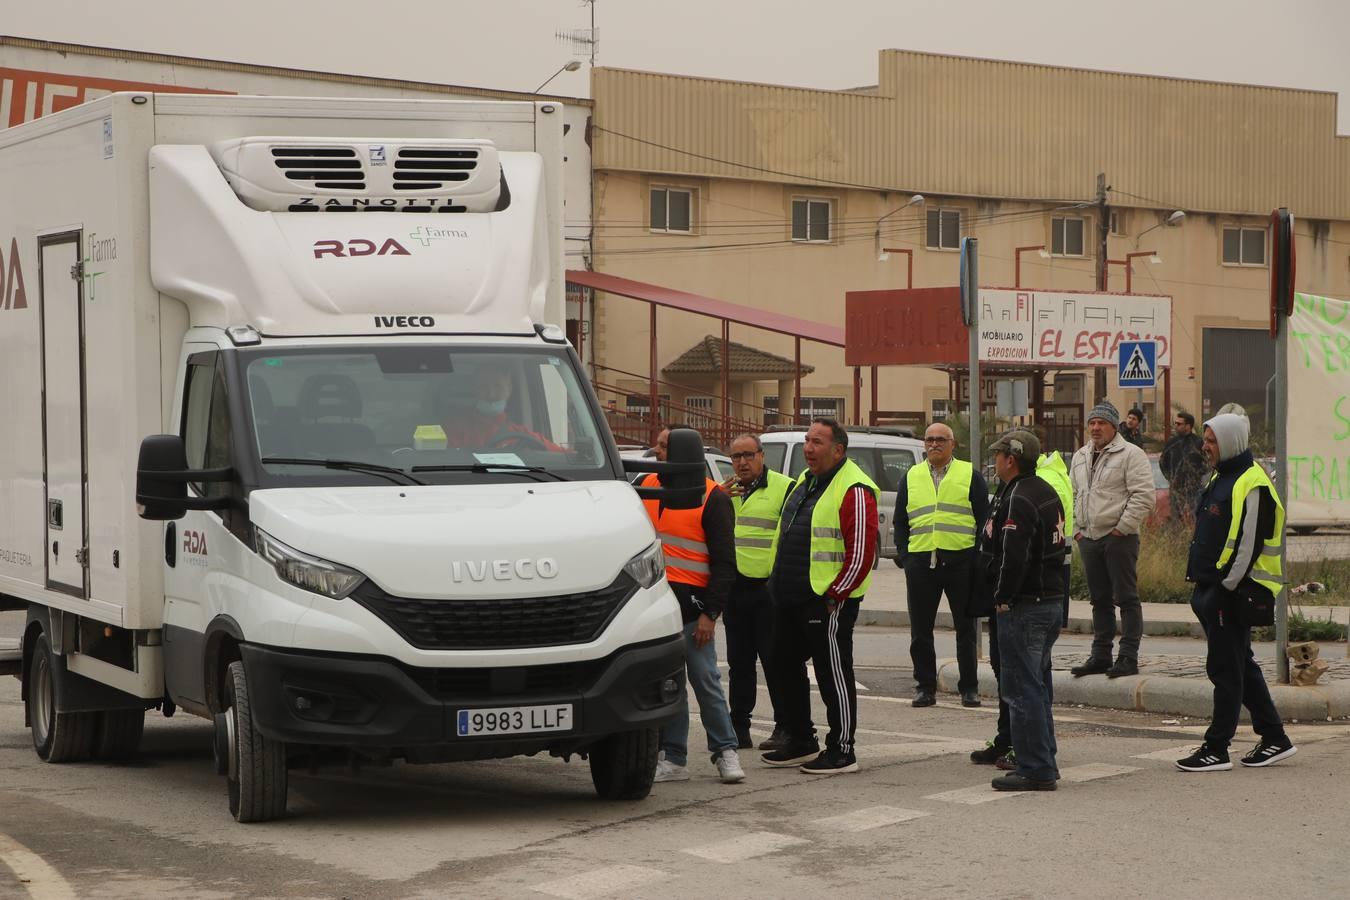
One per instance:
(784, 199)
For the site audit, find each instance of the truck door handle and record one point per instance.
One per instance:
(56, 549)
(54, 514)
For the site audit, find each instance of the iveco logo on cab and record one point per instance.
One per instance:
(405, 322)
(359, 247)
(504, 569)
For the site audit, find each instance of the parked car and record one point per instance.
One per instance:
(885, 454)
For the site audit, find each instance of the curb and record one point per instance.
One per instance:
(1168, 694)
(899, 618)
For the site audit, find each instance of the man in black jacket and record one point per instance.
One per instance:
(1239, 526)
(1022, 552)
(1183, 465)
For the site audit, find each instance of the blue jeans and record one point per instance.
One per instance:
(706, 680)
(1026, 635)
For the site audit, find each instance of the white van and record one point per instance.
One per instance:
(885, 454)
(295, 444)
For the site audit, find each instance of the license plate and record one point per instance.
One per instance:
(514, 720)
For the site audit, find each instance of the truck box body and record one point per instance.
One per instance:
(406, 518)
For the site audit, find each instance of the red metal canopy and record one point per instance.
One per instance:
(707, 306)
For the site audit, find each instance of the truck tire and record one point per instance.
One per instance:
(117, 733)
(256, 771)
(57, 737)
(623, 765)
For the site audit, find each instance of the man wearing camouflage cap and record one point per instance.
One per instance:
(1021, 557)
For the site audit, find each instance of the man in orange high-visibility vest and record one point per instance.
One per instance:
(700, 554)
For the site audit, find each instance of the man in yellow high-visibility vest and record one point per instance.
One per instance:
(757, 494)
(937, 508)
(1239, 530)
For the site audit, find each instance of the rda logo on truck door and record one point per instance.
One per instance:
(359, 247)
(12, 294)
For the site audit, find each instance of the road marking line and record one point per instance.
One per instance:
(609, 880)
(42, 881)
(933, 738)
(1093, 771)
(919, 749)
(981, 793)
(1171, 754)
(867, 819)
(748, 846)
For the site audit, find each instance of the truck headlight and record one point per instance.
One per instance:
(305, 571)
(649, 566)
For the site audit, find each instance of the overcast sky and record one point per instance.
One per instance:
(511, 44)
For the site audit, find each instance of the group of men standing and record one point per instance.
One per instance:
(789, 561)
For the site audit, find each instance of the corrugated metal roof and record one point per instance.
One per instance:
(967, 127)
(707, 306)
(252, 69)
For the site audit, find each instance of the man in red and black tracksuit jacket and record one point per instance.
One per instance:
(822, 565)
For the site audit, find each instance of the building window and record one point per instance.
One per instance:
(1066, 236)
(1244, 246)
(811, 220)
(639, 406)
(1119, 222)
(672, 210)
(944, 229)
(941, 409)
(812, 408)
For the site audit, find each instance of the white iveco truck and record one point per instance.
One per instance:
(292, 442)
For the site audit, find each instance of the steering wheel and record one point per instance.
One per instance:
(517, 439)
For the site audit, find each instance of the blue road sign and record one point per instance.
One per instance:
(1138, 364)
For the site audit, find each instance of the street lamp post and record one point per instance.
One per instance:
(1128, 263)
(570, 66)
(876, 233)
(1017, 261)
(909, 267)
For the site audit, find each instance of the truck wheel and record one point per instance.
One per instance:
(623, 765)
(57, 737)
(256, 769)
(117, 733)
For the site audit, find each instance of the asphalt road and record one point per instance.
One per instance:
(918, 819)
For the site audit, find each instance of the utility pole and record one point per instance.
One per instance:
(1103, 232)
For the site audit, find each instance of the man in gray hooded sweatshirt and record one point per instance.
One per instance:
(1239, 529)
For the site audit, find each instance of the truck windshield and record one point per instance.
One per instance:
(441, 414)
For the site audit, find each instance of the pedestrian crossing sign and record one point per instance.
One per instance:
(1138, 364)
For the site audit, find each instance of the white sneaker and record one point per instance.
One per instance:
(729, 767)
(668, 771)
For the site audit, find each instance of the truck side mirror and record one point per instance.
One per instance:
(683, 474)
(162, 477)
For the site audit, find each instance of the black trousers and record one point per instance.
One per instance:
(1004, 736)
(825, 636)
(749, 623)
(924, 590)
(1237, 679)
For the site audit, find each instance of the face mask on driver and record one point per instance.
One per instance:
(491, 407)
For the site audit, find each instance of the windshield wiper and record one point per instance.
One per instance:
(391, 472)
(494, 467)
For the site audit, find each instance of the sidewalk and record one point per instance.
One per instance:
(1166, 683)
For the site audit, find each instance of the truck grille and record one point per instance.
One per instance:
(428, 169)
(459, 684)
(326, 168)
(498, 623)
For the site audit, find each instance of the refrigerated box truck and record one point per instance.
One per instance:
(292, 442)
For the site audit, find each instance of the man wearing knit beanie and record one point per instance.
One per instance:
(1239, 529)
(1113, 495)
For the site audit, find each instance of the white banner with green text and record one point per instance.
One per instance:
(1319, 411)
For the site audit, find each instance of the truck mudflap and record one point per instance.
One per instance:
(381, 707)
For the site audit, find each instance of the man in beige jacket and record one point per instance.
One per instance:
(1113, 495)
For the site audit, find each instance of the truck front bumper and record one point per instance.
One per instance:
(388, 709)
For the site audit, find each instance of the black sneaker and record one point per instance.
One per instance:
(991, 753)
(831, 762)
(1094, 666)
(1205, 759)
(1269, 752)
(970, 698)
(1007, 762)
(776, 741)
(743, 739)
(1125, 665)
(793, 753)
(1017, 782)
(923, 698)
